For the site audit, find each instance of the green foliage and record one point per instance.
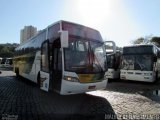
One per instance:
(7, 50)
(156, 41)
(138, 41)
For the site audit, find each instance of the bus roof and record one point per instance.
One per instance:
(142, 45)
(140, 49)
(88, 32)
(139, 45)
(60, 21)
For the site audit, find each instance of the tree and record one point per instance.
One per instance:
(7, 50)
(156, 41)
(138, 41)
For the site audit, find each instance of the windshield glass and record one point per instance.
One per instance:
(110, 60)
(83, 56)
(113, 60)
(137, 62)
(138, 50)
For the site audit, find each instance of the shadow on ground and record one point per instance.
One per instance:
(135, 87)
(24, 98)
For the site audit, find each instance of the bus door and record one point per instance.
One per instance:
(44, 73)
(56, 66)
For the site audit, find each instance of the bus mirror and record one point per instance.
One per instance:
(110, 46)
(64, 38)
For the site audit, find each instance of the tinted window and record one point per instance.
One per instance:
(80, 30)
(138, 50)
(44, 57)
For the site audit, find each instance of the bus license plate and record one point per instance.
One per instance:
(92, 87)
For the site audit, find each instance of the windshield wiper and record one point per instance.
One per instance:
(141, 65)
(98, 64)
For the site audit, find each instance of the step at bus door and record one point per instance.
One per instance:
(44, 81)
(44, 73)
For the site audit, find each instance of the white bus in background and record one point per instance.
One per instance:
(9, 62)
(65, 57)
(3, 61)
(113, 60)
(140, 63)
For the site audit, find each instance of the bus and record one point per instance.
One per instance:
(66, 57)
(140, 63)
(113, 60)
(3, 61)
(9, 62)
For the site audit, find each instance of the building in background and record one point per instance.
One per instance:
(27, 32)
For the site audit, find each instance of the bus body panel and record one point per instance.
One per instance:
(135, 75)
(26, 70)
(76, 87)
(112, 73)
(37, 65)
(44, 81)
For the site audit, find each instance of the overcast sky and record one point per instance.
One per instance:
(119, 20)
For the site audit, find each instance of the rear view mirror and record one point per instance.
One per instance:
(64, 38)
(110, 46)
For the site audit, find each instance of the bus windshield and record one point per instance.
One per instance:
(137, 62)
(84, 56)
(138, 50)
(110, 60)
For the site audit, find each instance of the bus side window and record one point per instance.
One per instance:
(45, 58)
(57, 55)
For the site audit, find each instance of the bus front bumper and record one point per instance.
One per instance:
(145, 76)
(69, 87)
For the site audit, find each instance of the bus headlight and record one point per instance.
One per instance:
(72, 79)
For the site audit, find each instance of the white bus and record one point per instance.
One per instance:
(9, 62)
(65, 57)
(140, 63)
(113, 60)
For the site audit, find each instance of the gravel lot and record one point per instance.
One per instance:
(21, 99)
(132, 100)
